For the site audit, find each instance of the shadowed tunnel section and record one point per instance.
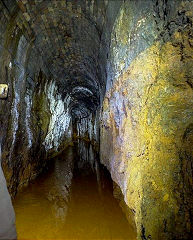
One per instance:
(68, 36)
(53, 59)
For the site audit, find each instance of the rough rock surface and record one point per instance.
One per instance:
(127, 65)
(147, 116)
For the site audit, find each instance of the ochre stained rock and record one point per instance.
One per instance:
(3, 91)
(147, 136)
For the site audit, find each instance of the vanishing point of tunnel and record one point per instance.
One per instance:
(96, 119)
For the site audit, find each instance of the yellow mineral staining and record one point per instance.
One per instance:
(40, 105)
(166, 198)
(151, 130)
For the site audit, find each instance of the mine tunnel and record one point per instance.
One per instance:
(96, 119)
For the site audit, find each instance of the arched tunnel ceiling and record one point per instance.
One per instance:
(68, 33)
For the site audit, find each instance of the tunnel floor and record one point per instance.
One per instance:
(62, 205)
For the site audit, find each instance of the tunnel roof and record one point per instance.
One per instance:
(68, 36)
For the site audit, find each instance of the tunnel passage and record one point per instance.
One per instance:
(60, 33)
(54, 61)
(116, 74)
(68, 37)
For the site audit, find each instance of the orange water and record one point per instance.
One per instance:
(57, 206)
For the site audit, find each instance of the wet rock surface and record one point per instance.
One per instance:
(110, 77)
(147, 116)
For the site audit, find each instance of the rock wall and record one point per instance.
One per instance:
(147, 117)
(34, 118)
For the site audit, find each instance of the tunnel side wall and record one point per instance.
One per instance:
(34, 118)
(146, 130)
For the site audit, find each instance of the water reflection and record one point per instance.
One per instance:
(62, 205)
(86, 157)
(59, 183)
